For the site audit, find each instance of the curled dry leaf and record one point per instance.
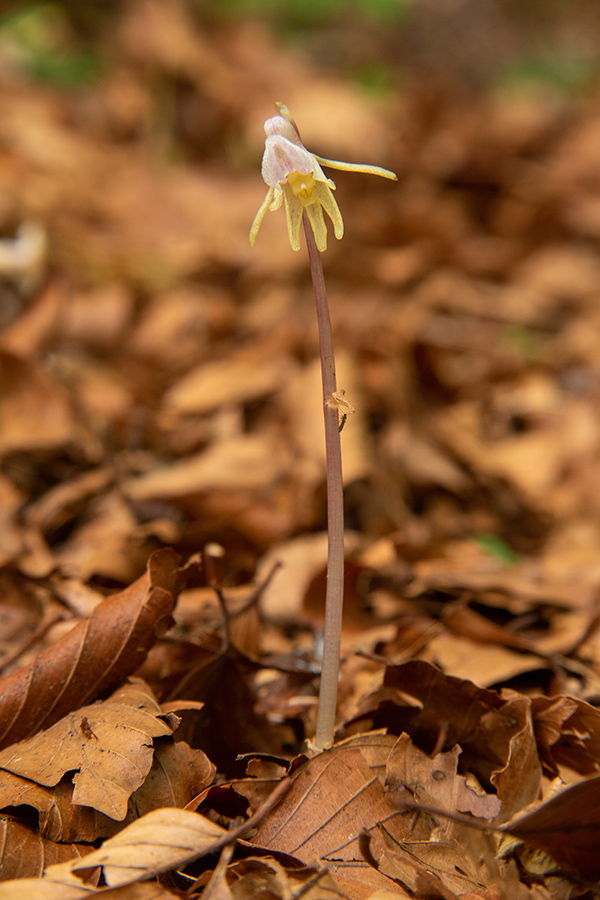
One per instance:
(434, 869)
(26, 888)
(255, 877)
(519, 783)
(456, 710)
(108, 745)
(94, 656)
(567, 826)
(161, 840)
(568, 733)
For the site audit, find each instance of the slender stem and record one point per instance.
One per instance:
(335, 508)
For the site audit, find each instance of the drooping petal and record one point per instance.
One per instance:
(293, 215)
(326, 199)
(317, 222)
(356, 167)
(278, 199)
(260, 215)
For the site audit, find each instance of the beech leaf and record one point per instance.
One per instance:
(334, 797)
(567, 826)
(435, 782)
(161, 840)
(59, 819)
(96, 655)
(25, 854)
(26, 888)
(108, 745)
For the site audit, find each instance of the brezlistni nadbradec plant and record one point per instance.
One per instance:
(295, 177)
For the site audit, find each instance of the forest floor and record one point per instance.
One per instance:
(162, 486)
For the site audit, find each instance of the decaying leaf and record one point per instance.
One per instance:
(435, 782)
(253, 877)
(334, 798)
(25, 888)
(109, 747)
(567, 826)
(95, 655)
(34, 411)
(161, 840)
(26, 854)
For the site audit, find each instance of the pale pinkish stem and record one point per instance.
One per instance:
(335, 508)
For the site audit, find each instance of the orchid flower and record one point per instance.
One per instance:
(294, 175)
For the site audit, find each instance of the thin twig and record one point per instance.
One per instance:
(239, 831)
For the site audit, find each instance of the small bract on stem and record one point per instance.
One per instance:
(295, 177)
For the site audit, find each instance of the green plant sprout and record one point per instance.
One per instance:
(295, 177)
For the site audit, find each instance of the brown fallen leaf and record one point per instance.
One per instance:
(254, 877)
(177, 775)
(34, 411)
(110, 748)
(435, 782)
(25, 888)
(159, 841)
(59, 819)
(567, 826)
(104, 544)
(94, 656)
(234, 380)
(519, 783)
(163, 839)
(25, 854)
(568, 731)
(237, 463)
(10, 534)
(61, 502)
(108, 745)
(229, 722)
(484, 664)
(334, 797)
(431, 868)
(451, 711)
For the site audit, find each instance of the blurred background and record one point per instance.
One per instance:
(376, 43)
(159, 378)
